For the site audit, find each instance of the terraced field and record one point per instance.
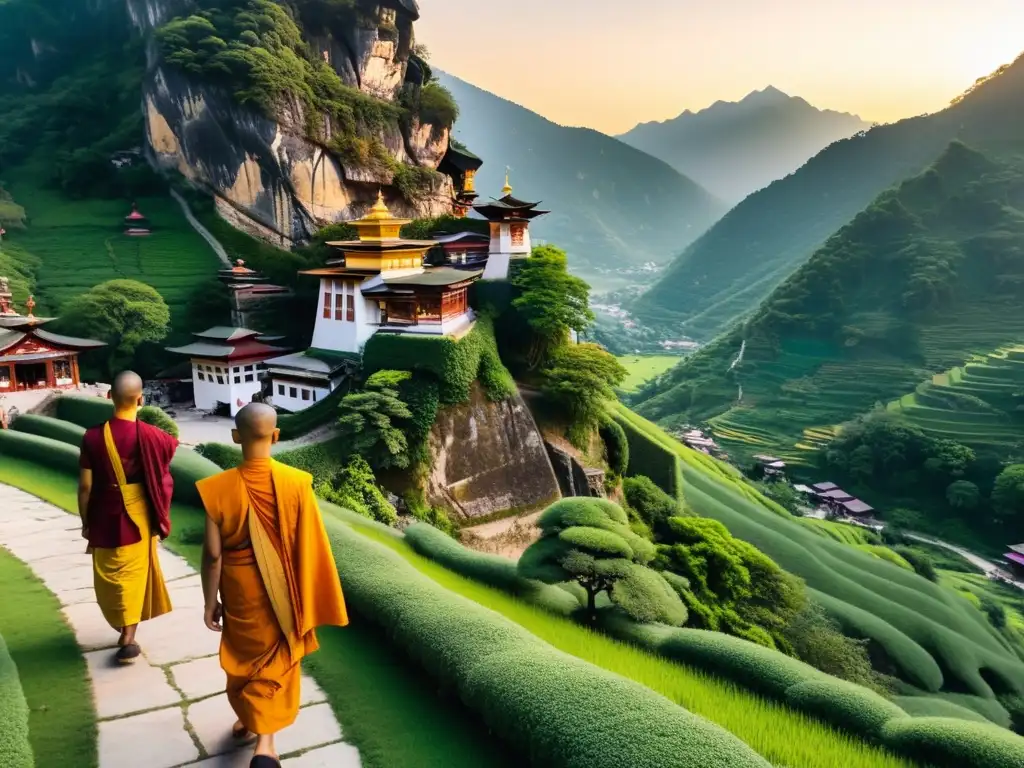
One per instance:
(974, 404)
(72, 245)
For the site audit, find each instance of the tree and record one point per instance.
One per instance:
(371, 421)
(580, 378)
(356, 488)
(963, 494)
(652, 504)
(552, 301)
(588, 541)
(123, 313)
(1008, 492)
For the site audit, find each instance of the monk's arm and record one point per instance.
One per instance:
(84, 492)
(212, 553)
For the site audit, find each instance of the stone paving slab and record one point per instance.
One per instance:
(155, 739)
(143, 710)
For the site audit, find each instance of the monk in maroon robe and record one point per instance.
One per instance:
(124, 499)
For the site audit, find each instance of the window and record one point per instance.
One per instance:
(305, 394)
(238, 379)
(202, 376)
(220, 379)
(249, 368)
(280, 389)
(292, 392)
(250, 377)
(327, 304)
(350, 288)
(339, 308)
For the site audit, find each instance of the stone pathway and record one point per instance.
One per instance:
(169, 708)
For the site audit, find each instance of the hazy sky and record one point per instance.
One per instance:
(609, 64)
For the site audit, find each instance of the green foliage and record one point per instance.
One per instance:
(652, 504)
(919, 561)
(52, 429)
(1008, 492)
(525, 691)
(963, 494)
(370, 423)
(324, 461)
(224, 456)
(456, 364)
(15, 749)
(588, 541)
(40, 450)
(122, 313)
(295, 425)
(616, 445)
(846, 705)
(995, 612)
(731, 587)
(356, 489)
(552, 301)
(433, 103)
(927, 706)
(155, 416)
(579, 379)
(954, 743)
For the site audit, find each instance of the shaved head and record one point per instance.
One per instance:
(126, 391)
(256, 422)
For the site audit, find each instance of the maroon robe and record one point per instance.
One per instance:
(146, 454)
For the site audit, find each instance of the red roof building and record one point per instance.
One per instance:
(33, 358)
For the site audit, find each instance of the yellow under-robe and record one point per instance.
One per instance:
(128, 581)
(278, 583)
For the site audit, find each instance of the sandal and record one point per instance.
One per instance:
(128, 654)
(240, 732)
(264, 761)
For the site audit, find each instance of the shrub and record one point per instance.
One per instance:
(155, 416)
(356, 489)
(817, 639)
(652, 504)
(224, 456)
(848, 706)
(615, 444)
(455, 363)
(42, 450)
(580, 379)
(995, 612)
(954, 743)
(557, 709)
(370, 424)
(15, 749)
(53, 429)
(919, 561)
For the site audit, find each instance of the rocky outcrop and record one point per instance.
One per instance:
(269, 178)
(489, 458)
(573, 478)
(266, 169)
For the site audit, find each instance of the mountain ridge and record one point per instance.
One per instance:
(743, 257)
(612, 205)
(736, 147)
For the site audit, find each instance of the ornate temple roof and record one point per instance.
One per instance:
(508, 208)
(227, 343)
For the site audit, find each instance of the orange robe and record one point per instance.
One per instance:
(278, 584)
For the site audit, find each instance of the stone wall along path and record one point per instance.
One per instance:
(169, 708)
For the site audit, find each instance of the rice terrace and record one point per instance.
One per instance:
(354, 416)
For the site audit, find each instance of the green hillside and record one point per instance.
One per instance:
(928, 278)
(612, 206)
(758, 244)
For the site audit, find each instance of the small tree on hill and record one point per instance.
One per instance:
(588, 541)
(371, 421)
(123, 313)
(580, 379)
(1008, 492)
(552, 301)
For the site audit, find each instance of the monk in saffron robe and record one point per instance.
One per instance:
(124, 499)
(267, 555)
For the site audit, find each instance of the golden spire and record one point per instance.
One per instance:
(507, 189)
(30, 305)
(379, 210)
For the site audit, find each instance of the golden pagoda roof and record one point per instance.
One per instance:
(507, 189)
(378, 225)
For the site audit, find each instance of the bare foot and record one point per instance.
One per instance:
(239, 731)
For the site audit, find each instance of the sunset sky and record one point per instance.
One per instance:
(609, 64)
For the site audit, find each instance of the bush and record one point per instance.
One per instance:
(15, 749)
(42, 450)
(579, 379)
(53, 429)
(954, 743)
(155, 416)
(850, 707)
(90, 412)
(817, 639)
(650, 459)
(615, 444)
(224, 456)
(356, 489)
(652, 504)
(994, 610)
(920, 562)
(455, 363)
(557, 709)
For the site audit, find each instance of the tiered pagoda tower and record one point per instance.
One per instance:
(510, 234)
(462, 165)
(379, 283)
(248, 288)
(135, 224)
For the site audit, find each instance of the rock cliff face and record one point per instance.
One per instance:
(269, 178)
(489, 457)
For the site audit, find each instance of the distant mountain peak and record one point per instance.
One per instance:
(770, 94)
